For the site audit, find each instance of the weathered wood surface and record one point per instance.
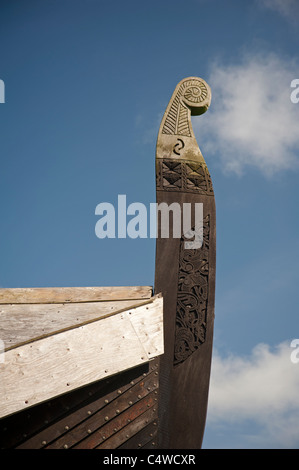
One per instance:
(20, 323)
(105, 414)
(73, 294)
(48, 367)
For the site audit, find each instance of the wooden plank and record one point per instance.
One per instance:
(146, 435)
(99, 396)
(21, 323)
(48, 367)
(150, 336)
(38, 421)
(125, 419)
(120, 437)
(102, 425)
(73, 294)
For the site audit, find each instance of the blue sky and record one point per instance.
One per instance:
(86, 85)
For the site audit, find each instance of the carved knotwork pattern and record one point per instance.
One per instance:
(192, 297)
(188, 176)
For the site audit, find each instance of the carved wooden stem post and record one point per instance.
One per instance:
(186, 277)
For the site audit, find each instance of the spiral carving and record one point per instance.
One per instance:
(195, 94)
(191, 96)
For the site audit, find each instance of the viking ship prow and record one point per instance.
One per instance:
(121, 367)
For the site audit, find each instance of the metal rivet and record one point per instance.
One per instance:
(89, 431)
(103, 437)
(44, 443)
(127, 436)
(139, 396)
(144, 375)
(148, 405)
(119, 392)
(65, 446)
(153, 444)
(106, 401)
(66, 428)
(129, 420)
(130, 403)
(132, 383)
(115, 429)
(149, 389)
(156, 373)
(151, 434)
(106, 418)
(117, 411)
(89, 412)
(155, 424)
(139, 445)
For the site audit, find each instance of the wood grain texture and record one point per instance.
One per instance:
(127, 432)
(48, 367)
(72, 294)
(41, 425)
(21, 323)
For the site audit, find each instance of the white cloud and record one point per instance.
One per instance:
(262, 388)
(252, 121)
(286, 8)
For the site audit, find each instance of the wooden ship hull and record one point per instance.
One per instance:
(121, 367)
(116, 341)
